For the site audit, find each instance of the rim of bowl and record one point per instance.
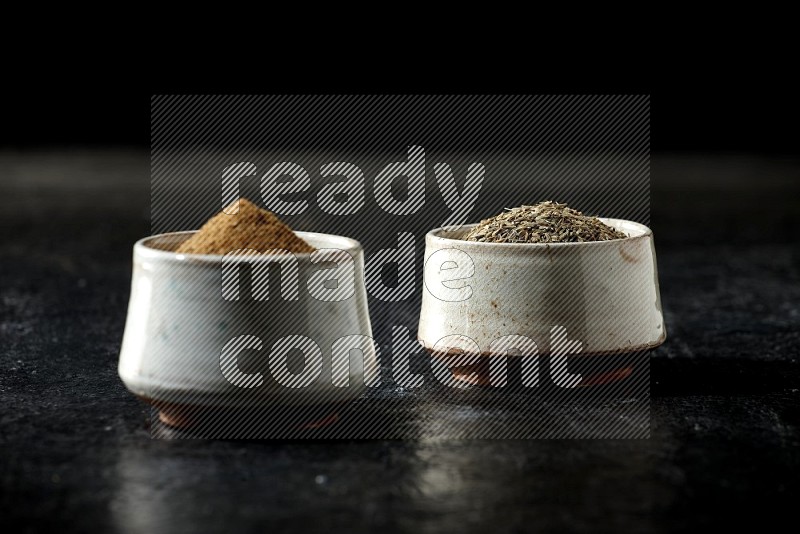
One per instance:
(143, 249)
(623, 225)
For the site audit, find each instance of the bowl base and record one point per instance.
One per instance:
(245, 423)
(178, 418)
(595, 369)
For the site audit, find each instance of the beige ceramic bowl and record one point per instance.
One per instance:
(180, 322)
(602, 294)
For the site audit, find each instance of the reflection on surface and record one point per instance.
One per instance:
(611, 401)
(139, 505)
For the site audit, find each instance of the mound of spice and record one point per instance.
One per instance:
(546, 222)
(249, 228)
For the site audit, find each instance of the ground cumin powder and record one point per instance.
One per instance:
(250, 228)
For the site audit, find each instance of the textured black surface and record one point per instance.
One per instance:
(75, 446)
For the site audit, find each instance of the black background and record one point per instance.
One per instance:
(76, 453)
(729, 112)
(711, 117)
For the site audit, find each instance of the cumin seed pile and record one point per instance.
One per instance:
(546, 222)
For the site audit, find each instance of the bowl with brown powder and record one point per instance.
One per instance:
(248, 316)
(540, 279)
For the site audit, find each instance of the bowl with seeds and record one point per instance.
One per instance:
(541, 279)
